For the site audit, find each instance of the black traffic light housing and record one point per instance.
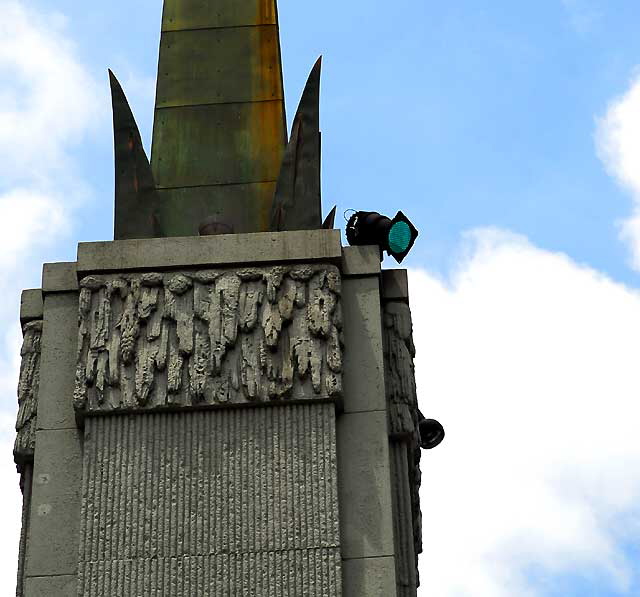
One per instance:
(395, 236)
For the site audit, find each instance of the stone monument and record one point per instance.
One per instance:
(221, 400)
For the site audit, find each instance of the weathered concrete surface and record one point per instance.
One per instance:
(228, 249)
(55, 504)
(363, 377)
(229, 502)
(365, 476)
(59, 277)
(58, 361)
(51, 586)
(31, 305)
(360, 261)
(369, 577)
(395, 285)
(364, 485)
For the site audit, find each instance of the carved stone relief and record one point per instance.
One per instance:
(402, 402)
(24, 447)
(211, 337)
(28, 385)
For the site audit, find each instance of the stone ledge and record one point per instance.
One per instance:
(199, 251)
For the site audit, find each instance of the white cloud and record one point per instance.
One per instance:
(531, 363)
(618, 144)
(48, 102)
(47, 98)
(29, 219)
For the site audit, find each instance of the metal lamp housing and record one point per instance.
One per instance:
(395, 236)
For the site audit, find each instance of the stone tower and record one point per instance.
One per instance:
(221, 400)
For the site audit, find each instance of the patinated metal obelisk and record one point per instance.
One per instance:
(221, 400)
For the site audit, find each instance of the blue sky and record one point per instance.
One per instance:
(510, 134)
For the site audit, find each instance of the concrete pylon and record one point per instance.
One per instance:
(217, 415)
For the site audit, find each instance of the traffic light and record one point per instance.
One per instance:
(396, 236)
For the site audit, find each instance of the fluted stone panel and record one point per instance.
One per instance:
(232, 502)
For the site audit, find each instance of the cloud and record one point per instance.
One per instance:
(48, 104)
(47, 97)
(530, 362)
(618, 145)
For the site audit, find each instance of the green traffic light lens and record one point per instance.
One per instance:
(399, 237)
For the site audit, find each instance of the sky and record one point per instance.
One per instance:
(509, 132)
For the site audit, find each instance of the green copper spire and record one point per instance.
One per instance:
(219, 129)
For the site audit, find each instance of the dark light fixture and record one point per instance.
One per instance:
(431, 433)
(395, 236)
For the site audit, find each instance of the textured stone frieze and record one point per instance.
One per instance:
(28, 385)
(216, 337)
(402, 401)
(24, 447)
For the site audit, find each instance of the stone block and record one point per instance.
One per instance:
(369, 577)
(59, 277)
(55, 504)
(361, 261)
(363, 372)
(364, 486)
(51, 586)
(58, 362)
(58, 462)
(395, 285)
(53, 534)
(31, 305)
(227, 249)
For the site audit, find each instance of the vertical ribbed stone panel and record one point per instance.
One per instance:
(231, 502)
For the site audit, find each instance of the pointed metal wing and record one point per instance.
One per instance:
(135, 191)
(296, 204)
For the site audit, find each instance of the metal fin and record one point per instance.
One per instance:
(330, 221)
(135, 190)
(296, 204)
